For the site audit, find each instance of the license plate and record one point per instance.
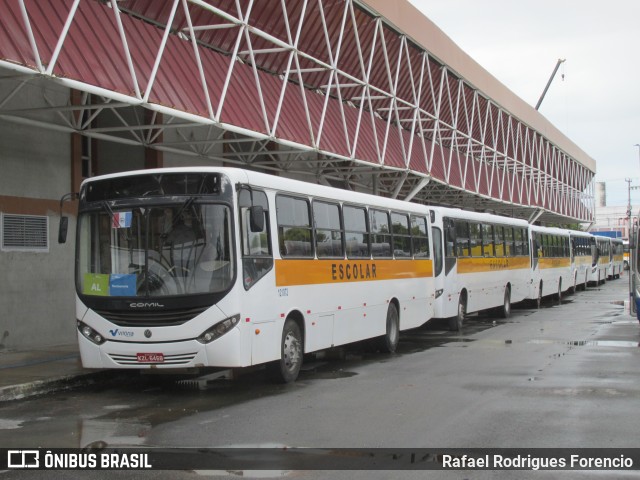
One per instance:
(150, 357)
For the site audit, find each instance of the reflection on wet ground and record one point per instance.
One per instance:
(588, 343)
(128, 406)
(125, 409)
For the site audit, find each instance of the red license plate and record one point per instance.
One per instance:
(150, 357)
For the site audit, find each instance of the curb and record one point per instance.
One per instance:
(51, 385)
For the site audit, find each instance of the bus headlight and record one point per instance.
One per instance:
(218, 329)
(90, 334)
(439, 292)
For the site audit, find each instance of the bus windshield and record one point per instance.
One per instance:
(184, 248)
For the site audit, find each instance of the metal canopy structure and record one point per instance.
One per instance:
(325, 88)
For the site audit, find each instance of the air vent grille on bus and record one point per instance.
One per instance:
(156, 318)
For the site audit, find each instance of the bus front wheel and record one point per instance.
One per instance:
(286, 370)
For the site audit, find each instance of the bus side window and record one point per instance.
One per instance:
(401, 235)
(257, 258)
(380, 234)
(419, 237)
(498, 231)
(508, 239)
(488, 243)
(326, 218)
(520, 241)
(475, 239)
(294, 227)
(356, 232)
(462, 238)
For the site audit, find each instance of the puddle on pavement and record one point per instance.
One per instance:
(589, 343)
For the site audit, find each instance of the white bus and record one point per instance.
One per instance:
(486, 263)
(551, 262)
(222, 267)
(581, 258)
(634, 269)
(617, 258)
(601, 259)
(626, 254)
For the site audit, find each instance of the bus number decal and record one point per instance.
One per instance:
(283, 292)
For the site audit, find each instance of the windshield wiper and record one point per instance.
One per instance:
(107, 207)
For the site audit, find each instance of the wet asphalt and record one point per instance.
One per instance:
(564, 376)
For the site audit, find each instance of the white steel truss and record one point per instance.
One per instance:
(337, 94)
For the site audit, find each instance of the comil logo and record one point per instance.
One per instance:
(23, 459)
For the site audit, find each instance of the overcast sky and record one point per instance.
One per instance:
(597, 104)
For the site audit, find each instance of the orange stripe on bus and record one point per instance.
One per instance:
(316, 272)
(554, 262)
(491, 264)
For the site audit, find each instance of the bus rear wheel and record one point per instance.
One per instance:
(505, 310)
(538, 301)
(389, 341)
(559, 294)
(286, 370)
(456, 322)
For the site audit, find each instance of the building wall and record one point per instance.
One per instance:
(36, 288)
(612, 219)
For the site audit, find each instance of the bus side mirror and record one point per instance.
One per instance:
(256, 218)
(62, 229)
(64, 221)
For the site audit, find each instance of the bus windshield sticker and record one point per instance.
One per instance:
(96, 284)
(122, 285)
(122, 220)
(113, 285)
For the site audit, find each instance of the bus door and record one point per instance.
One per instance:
(438, 256)
(536, 252)
(634, 271)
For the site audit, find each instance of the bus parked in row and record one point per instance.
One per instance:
(184, 268)
(581, 259)
(617, 258)
(486, 264)
(601, 259)
(230, 268)
(551, 265)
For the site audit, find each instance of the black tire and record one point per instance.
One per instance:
(559, 294)
(538, 301)
(574, 289)
(457, 322)
(286, 370)
(505, 310)
(388, 343)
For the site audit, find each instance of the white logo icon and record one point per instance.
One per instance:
(23, 459)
